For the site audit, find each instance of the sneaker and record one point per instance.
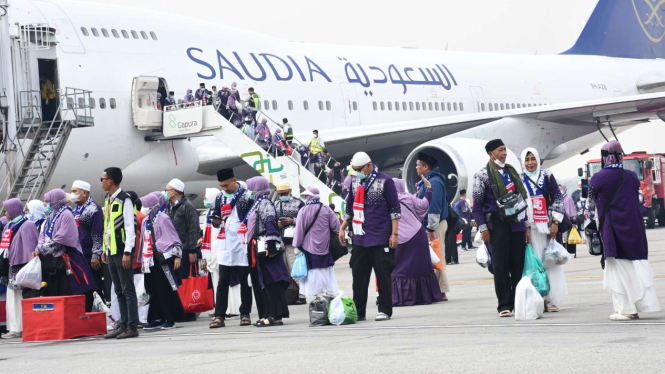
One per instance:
(382, 317)
(129, 333)
(115, 332)
(168, 326)
(464, 249)
(472, 247)
(153, 325)
(12, 335)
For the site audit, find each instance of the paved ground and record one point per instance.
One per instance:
(463, 335)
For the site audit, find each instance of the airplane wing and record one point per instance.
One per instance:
(626, 110)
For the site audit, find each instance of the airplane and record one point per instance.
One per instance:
(389, 102)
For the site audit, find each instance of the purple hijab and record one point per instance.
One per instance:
(416, 210)
(231, 102)
(25, 240)
(317, 241)
(65, 231)
(568, 202)
(165, 235)
(261, 130)
(259, 187)
(613, 147)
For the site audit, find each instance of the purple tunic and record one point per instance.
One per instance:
(91, 229)
(484, 201)
(413, 212)
(317, 241)
(24, 241)
(623, 233)
(381, 207)
(464, 210)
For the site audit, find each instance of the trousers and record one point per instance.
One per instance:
(442, 275)
(451, 246)
(123, 282)
(363, 261)
(222, 298)
(290, 259)
(508, 249)
(14, 310)
(165, 304)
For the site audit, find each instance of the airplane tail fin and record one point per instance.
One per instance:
(624, 28)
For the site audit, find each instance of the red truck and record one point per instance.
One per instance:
(648, 168)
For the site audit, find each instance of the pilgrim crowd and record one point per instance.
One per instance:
(251, 244)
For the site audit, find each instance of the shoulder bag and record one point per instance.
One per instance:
(592, 231)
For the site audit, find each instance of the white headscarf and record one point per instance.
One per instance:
(536, 176)
(533, 151)
(211, 194)
(36, 208)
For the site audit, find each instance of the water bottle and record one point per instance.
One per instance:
(596, 246)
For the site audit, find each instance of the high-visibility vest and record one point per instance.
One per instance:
(116, 242)
(314, 146)
(288, 131)
(43, 89)
(255, 97)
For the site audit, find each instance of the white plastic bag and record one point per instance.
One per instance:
(555, 254)
(336, 314)
(433, 257)
(482, 256)
(142, 297)
(98, 305)
(30, 275)
(478, 238)
(528, 302)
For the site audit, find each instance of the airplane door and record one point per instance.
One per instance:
(65, 33)
(478, 99)
(145, 114)
(350, 104)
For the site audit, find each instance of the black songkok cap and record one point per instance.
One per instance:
(493, 144)
(225, 174)
(462, 192)
(202, 84)
(171, 92)
(429, 160)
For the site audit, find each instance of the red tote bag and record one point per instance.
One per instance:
(195, 295)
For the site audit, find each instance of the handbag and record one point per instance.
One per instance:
(592, 231)
(566, 223)
(292, 292)
(195, 295)
(261, 243)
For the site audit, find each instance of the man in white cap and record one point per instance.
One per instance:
(287, 208)
(374, 216)
(90, 221)
(185, 219)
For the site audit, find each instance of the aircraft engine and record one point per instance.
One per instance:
(458, 159)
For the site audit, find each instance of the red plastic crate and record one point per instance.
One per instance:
(59, 318)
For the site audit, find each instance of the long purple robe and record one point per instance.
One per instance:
(622, 232)
(316, 245)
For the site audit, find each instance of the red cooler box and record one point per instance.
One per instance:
(59, 318)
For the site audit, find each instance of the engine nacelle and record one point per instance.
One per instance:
(458, 159)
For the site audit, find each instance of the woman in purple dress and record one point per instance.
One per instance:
(414, 282)
(627, 276)
(269, 275)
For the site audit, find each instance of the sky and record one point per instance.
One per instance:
(499, 26)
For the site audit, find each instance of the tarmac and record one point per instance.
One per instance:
(463, 335)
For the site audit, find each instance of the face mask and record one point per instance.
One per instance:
(207, 204)
(531, 173)
(227, 195)
(48, 210)
(498, 163)
(285, 198)
(146, 211)
(74, 198)
(171, 96)
(250, 195)
(16, 219)
(166, 195)
(316, 136)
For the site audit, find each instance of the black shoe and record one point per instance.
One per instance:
(361, 318)
(129, 333)
(114, 333)
(472, 247)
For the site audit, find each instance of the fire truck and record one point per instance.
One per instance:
(648, 169)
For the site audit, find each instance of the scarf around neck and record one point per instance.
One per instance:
(359, 203)
(495, 176)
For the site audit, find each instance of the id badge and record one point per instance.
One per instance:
(107, 239)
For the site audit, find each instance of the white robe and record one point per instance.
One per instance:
(631, 285)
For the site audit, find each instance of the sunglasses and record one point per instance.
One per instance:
(103, 179)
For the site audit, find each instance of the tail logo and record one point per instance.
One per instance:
(650, 17)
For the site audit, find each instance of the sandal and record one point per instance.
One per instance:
(505, 313)
(301, 301)
(245, 321)
(271, 322)
(217, 323)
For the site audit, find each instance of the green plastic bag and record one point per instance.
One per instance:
(350, 311)
(535, 269)
(342, 310)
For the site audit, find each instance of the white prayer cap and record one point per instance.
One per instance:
(283, 186)
(81, 185)
(177, 184)
(211, 194)
(360, 159)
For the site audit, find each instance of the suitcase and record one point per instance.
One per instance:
(59, 318)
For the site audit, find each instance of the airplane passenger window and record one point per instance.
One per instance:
(305, 105)
(490, 106)
(124, 34)
(443, 107)
(328, 106)
(153, 35)
(482, 108)
(94, 31)
(105, 33)
(266, 104)
(374, 105)
(135, 35)
(290, 105)
(529, 105)
(512, 106)
(320, 105)
(410, 105)
(501, 106)
(102, 103)
(396, 105)
(115, 33)
(383, 107)
(355, 105)
(523, 105)
(518, 105)
(461, 107)
(84, 31)
(429, 105)
(349, 106)
(436, 106)
(417, 105)
(140, 103)
(449, 107)
(424, 106)
(92, 103)
(403, 105)
(390, 106)
(455, 107)
(112, 103)
(144, 35)
(274, 105)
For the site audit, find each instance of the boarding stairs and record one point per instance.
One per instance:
(29, 157)
(275, 169)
